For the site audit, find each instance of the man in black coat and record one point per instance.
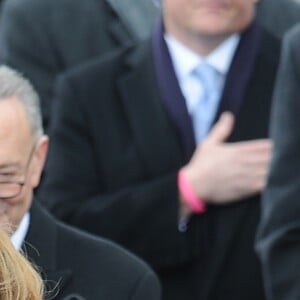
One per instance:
(74, 265)
(278, 241)
(124, 134)
(42, 38)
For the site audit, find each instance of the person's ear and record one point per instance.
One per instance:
(38, 160)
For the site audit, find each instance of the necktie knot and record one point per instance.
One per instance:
(207, 75)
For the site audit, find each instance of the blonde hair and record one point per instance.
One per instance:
(18, 279)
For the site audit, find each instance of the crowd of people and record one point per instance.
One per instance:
(172, 170)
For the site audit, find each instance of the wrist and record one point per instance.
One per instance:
(196, 204)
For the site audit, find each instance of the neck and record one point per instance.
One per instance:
(202, 45)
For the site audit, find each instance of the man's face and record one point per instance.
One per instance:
(207, 18)
(21, 162)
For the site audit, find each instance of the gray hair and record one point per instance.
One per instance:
(13, 84)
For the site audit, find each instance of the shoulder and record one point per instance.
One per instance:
(88, 254)
(270, 45)
(52, 13)
(292, 38)
(290, 58)
(107, 68)
(43, 6)
(268, 54)
(275, 8)
(97, 266)
(279, 15)
(89, 244)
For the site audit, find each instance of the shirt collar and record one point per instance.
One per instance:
(19, 235)
(185, 60)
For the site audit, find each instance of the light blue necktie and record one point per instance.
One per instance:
(206, 102)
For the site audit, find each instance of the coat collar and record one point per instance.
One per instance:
(152, 129)
(234, 90)
(171, 94)
(40, 247)
(240, 71)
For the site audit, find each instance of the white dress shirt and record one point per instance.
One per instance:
(185, 61)
(19, 235)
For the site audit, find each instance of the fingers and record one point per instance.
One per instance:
(254, 181)
(251, 155)
(253, 161)
(222, 129)
(254, 154)
(261, 145)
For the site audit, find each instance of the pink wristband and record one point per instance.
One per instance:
(196, 204)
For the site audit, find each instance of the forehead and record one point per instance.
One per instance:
(14, 125)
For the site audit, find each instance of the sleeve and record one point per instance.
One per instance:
(278, 240)
(148, 288)
(142, 215)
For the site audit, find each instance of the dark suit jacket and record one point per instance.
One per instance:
(43, 38)
(278, 241)
(114, 160)
(76, 264)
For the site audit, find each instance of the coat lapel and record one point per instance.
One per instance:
(172, 96)
(240, 71)
(40, 248)
(154, 133)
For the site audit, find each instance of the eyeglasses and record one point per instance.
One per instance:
(12, 188)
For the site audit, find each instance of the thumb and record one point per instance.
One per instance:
(222, 129)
